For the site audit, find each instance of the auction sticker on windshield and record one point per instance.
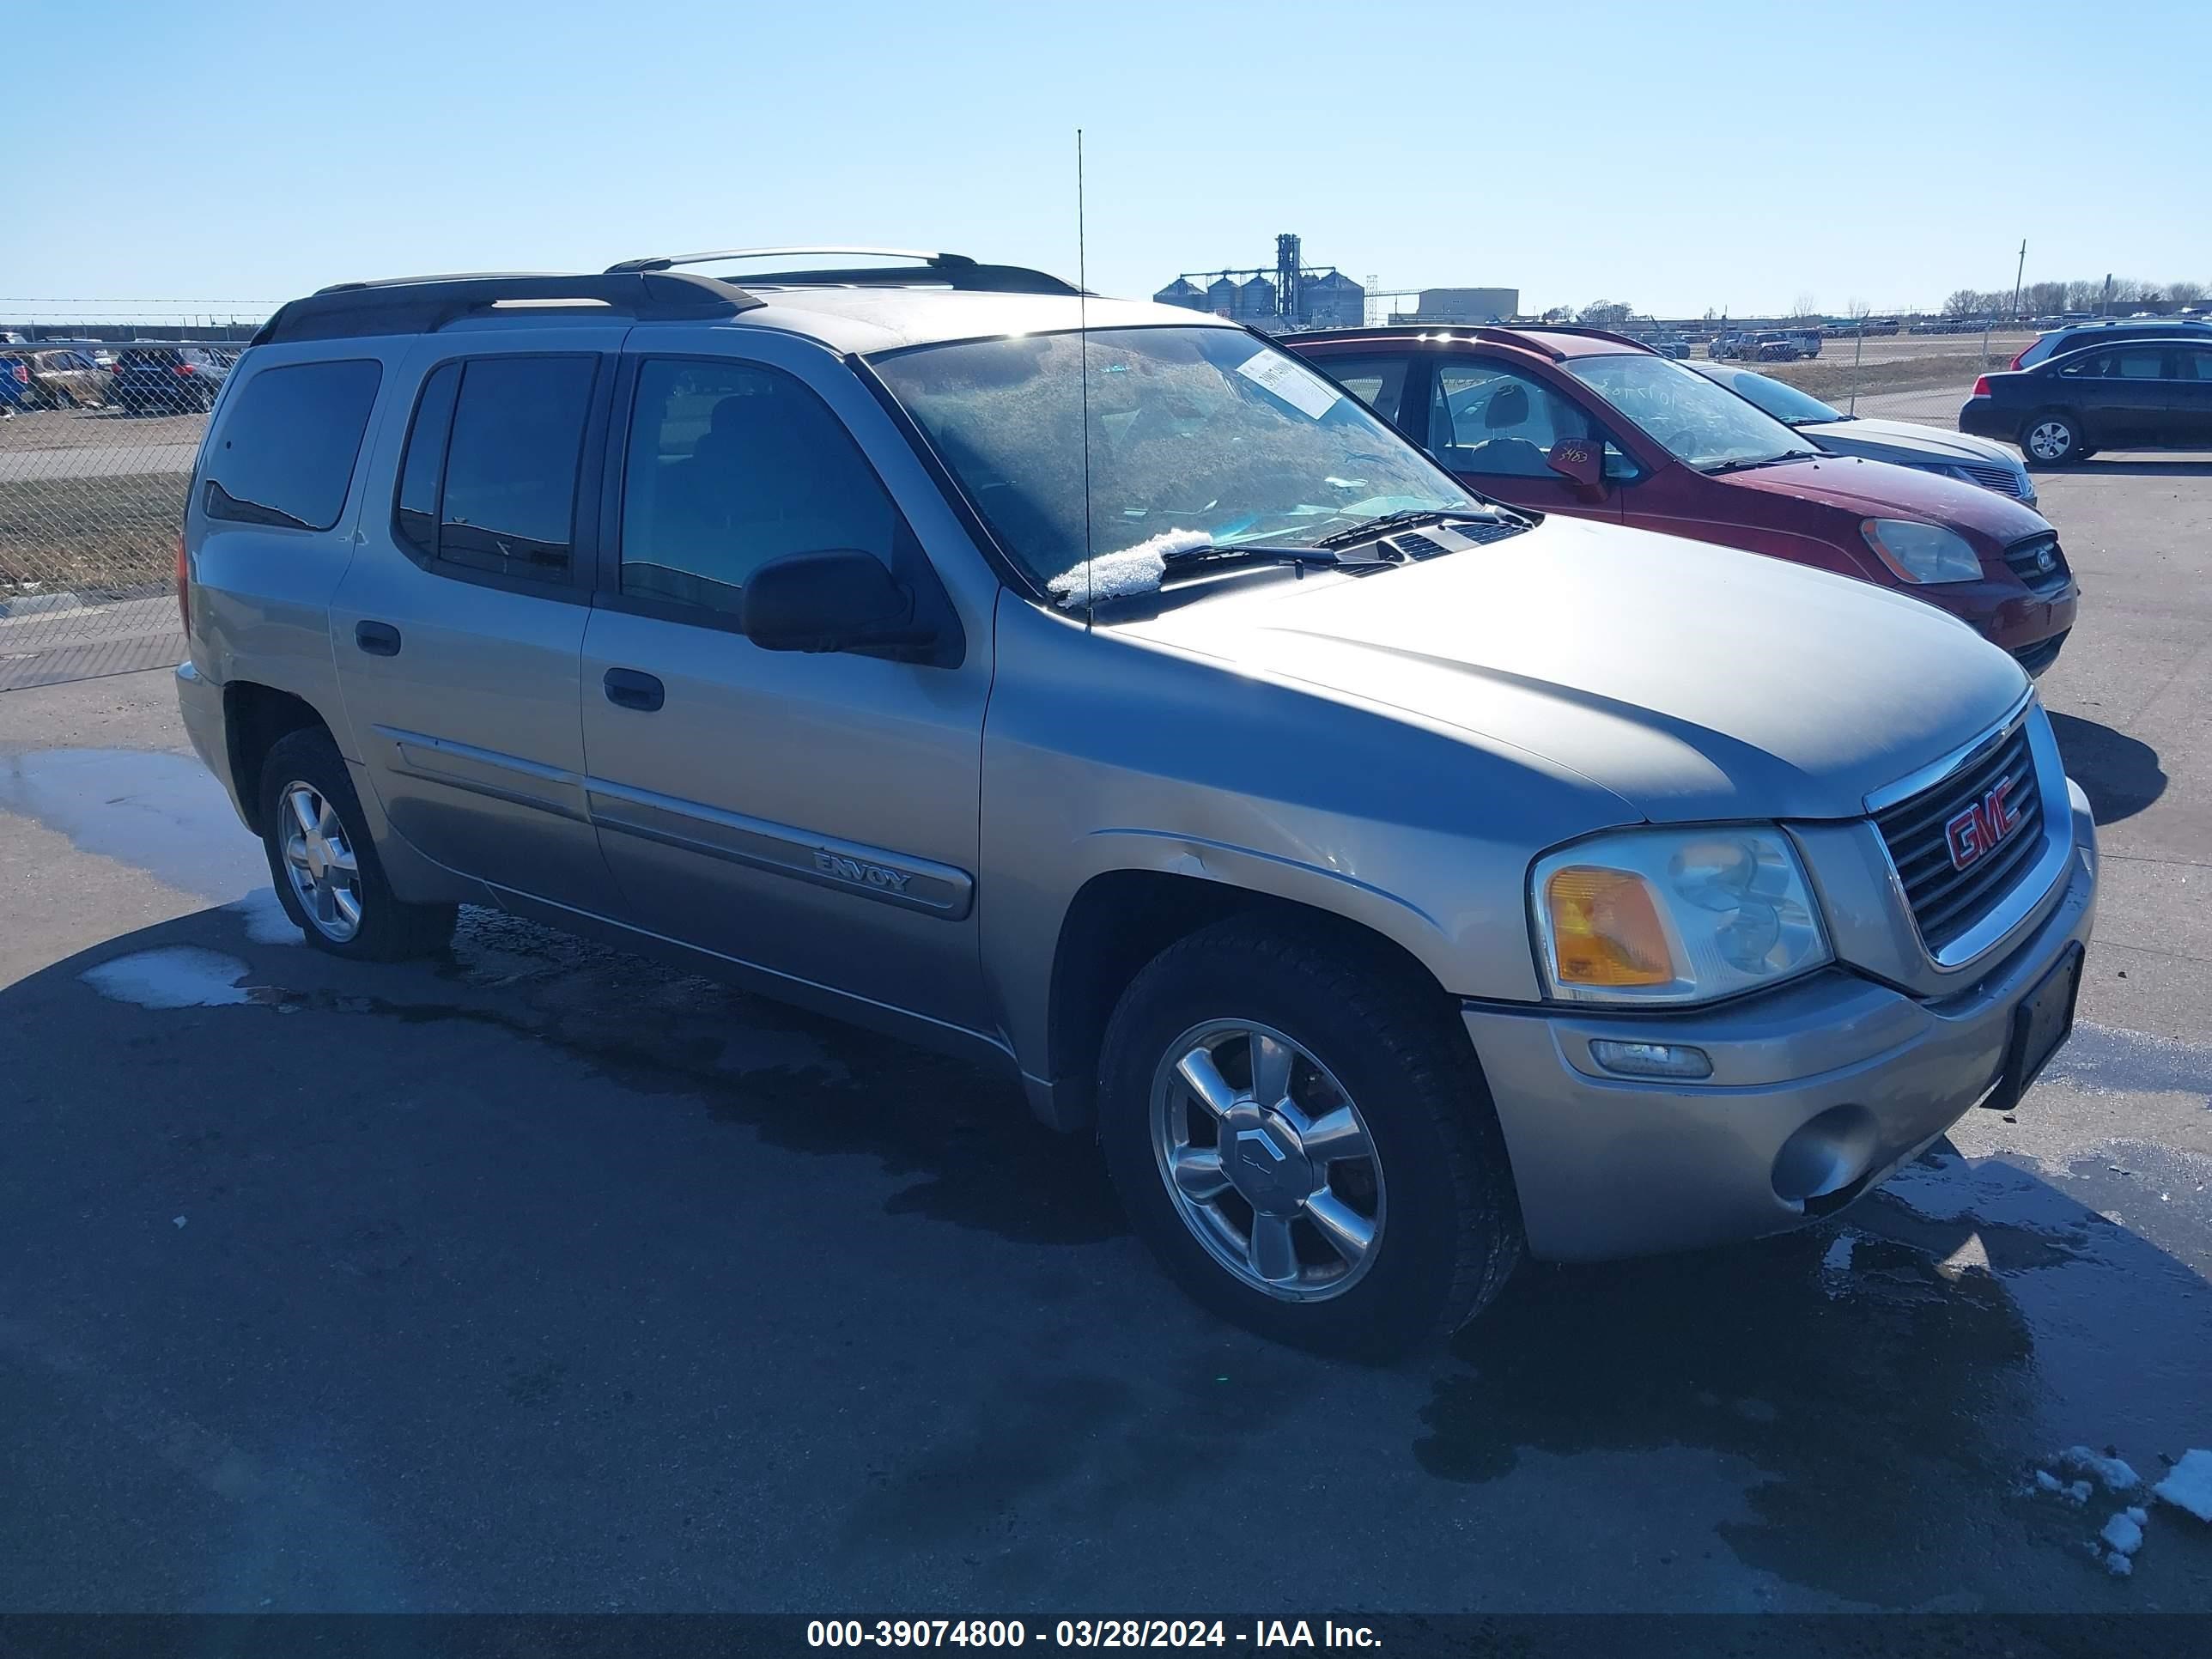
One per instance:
(1299, 388)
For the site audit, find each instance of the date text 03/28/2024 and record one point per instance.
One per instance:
(1004, 1633)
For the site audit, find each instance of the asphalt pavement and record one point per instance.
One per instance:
(538, 1278)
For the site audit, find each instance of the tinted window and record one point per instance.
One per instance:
(2194, 364)
(289, 443)
(422, 469)
(730, 466)
(2147, 365)
(1378, 382)
(508, 504)
(1485, 418)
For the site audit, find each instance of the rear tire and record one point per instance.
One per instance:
(2051, 438)
(324, 863)
(1370, 1210)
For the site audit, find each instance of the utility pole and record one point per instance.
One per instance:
(2019, 270)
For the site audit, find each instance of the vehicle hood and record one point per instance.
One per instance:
(1871, 438)
(1878, 490)
(1694, 682)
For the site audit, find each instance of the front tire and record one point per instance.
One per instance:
(324, 863)
(1299, 1130)
(2053, 438)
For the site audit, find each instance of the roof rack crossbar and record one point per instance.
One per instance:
(955, 271)
(663, 262)
(423, 305)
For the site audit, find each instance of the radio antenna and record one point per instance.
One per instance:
(1083, 358)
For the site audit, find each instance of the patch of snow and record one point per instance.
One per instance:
(2189, 1485)
(178, 976)
(1138, 569)
(2047, 1481)
(1839, 1258)
(2079, 1492)
(2114, 1472)
(265, 920)
(2122, 1534)
(2118, 1566)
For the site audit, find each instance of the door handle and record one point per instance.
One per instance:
(628, 689)
(377, 639)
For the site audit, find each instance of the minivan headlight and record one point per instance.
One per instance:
(1919, 552)
(1674, 915)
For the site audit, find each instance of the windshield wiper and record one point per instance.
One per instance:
(1320, 554)
(1368, 529)
(1763, 460)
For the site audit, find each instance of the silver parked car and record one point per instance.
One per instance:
(1901, 443)
(1394, 883)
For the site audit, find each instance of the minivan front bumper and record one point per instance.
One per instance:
(1609, 1166)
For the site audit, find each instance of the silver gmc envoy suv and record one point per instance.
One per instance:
(1395, 884)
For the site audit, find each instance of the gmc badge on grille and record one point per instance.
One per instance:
(1974, 833)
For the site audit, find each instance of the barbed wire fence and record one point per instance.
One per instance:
(102, 407)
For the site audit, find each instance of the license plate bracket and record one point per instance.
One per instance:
(2040, 1024)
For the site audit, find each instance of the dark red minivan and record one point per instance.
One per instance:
(1594, 424)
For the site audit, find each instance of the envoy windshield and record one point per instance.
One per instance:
(1701, 424)
(1204, 434)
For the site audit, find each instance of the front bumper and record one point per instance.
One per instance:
(1607, 1166)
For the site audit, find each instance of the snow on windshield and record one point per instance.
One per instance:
(1207, 432)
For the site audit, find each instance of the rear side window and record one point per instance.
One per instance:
(731, 465)
(289, 444)
(488, 480)
(1378, 382)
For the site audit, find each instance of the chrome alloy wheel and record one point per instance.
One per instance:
(1267, 1160)
(2049, 441)
(326, 876)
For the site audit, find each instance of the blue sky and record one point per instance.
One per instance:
(1677, 157)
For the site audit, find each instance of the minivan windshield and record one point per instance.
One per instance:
(1206, 431)
(1701, 425)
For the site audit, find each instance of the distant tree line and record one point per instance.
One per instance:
(2036, 300)
(2048, 299)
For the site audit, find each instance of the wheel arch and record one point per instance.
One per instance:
(256, 717)
(1120, 919)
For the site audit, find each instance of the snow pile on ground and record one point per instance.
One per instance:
(1138, 569)
(265, 920)
(2190, 1485)
(178, 976)
(2112, 1471)
(2122, 1537)
(2077, 1491)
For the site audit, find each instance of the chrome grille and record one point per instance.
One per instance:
(1991, 475)
(1947, 901)
(2040, 563)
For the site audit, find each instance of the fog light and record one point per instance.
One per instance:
(1674, 1059)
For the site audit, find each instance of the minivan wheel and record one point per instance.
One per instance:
(1300, 1133)
(2051, 438)
(325, 866)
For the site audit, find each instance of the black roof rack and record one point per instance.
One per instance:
(423, 305)
(955, 271)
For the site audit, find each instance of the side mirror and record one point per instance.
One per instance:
(836, 600)
(1582, 464)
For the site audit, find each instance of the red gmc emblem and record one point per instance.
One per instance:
(1974, 833)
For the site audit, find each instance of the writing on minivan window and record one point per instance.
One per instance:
(1206, 431)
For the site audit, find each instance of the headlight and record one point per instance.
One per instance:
(1921, 552)
(1674, 915)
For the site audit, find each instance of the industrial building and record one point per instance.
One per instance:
(1290, 295)
(1463, 304)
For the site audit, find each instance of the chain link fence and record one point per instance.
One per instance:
(1907, 376)
(97, 439)
(97, 446)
